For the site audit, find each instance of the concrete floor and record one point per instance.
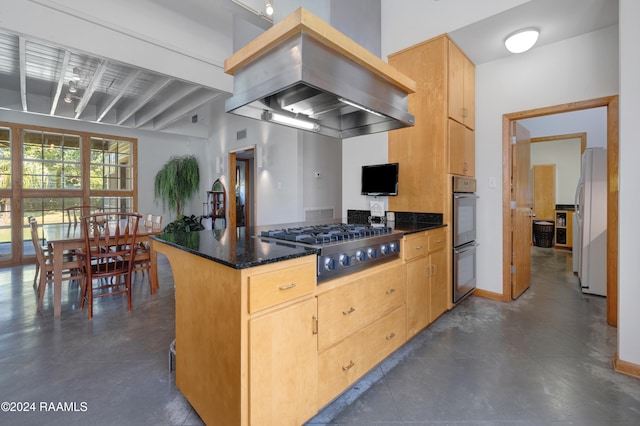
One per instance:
(543, 359)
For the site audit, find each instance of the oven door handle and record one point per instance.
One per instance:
(466, 248)
(457, 195)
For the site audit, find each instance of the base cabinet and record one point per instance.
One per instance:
(427, 291)
(345, 362)
(360, 322)
(282, 356)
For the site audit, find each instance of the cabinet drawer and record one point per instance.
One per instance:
(274, 287)
(338, 367)
(345, 309)
(437, 239)
(415, 246)
(383, 337)
(345, 362)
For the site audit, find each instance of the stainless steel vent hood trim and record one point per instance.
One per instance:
(305, 69)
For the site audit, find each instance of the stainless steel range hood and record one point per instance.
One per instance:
(304, 73)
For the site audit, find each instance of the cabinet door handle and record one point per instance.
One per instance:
(391, 336)
(418, 247)
(349, 312)
(391, 291)
(433, 270)
(314, 325)
(348, 367)
(287, 287)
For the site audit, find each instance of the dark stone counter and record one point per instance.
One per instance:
(238, 252)
(242, 250)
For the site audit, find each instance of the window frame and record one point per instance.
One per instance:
(17, 193)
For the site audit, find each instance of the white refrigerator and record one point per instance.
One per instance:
(590, 245)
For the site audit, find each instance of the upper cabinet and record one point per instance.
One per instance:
(462, 86)
(442, 142)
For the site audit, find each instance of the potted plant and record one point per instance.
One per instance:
(175, 183)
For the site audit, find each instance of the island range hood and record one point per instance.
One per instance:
(304, 73)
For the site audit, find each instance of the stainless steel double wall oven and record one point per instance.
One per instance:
(464, 237)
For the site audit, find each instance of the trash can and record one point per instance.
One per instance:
(543, 234)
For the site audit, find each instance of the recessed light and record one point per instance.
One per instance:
(521, 40)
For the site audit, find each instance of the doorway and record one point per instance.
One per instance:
(611, 103)
(242, 196)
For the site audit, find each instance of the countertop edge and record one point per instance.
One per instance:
(242, 265)
(419, 227)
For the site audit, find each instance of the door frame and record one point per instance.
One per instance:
(250, 207)
(611, 103)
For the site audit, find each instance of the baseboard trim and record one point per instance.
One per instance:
(488, 294)
(625, 367)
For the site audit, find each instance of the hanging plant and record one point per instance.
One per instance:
(177, 181)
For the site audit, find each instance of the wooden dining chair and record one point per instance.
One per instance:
(107, 257)
(142, 259)
(74, 213)
(71, 267)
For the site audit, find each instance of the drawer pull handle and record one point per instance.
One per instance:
(287, 287)
(391, 291)
(349, 312)
(391, 336)
(348, 367)
(418, 247)
(438, 241)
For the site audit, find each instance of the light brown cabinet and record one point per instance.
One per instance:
(243, 333)
(427, 291)
(442, 142)
(361, 320)
(438, 276)
(283, 356)
(462, 149)
(461, 87)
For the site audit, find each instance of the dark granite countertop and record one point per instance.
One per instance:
(245, 251)
(413, 227)
(238, 253)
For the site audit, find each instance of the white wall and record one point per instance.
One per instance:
(591, 121)
(356, 152)
(565, 154)
(629, 172)
(407, 22)
(521, 83)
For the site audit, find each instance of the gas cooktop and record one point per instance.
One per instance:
(342, 248)
(318, 235)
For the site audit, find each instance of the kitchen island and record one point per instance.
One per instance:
(254, 333)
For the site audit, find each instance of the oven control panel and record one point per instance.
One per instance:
(347, 260)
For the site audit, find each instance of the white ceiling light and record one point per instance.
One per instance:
(521, 41)
(72, 86)
(269, 9)
(67, 98)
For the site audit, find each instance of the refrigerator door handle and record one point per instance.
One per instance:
(577, 197)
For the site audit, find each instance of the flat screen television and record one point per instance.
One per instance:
(380, 179)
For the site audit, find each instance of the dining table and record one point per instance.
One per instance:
(69, 236)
